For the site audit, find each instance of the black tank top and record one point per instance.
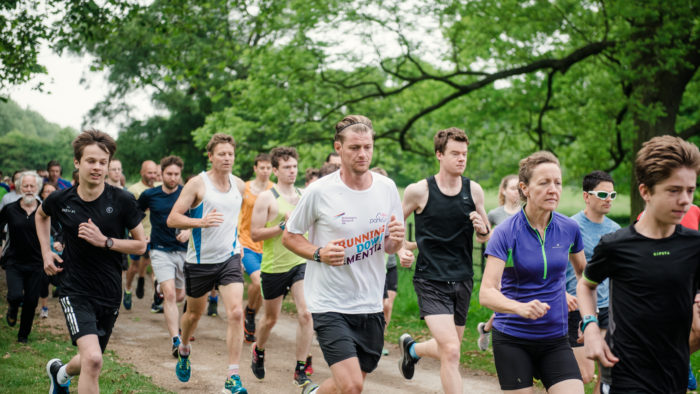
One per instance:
(445, 234)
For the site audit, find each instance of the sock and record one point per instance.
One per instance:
(127, 291)
(249, 311)
(214, 299)
(232, 369)
(185, 350)
(301, 366)
(412, 352)
(62, 376)
(260, 352)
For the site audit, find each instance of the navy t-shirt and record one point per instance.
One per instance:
(535, 270)
(88, 270)
(160, 204)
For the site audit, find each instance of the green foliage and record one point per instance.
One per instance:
(28, 141)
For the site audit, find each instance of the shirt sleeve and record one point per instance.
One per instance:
(396, 209)
(304, 215)
(598, 269)
(143, 201)
(577, 245)
(132, 215)
(499, 243)
(49, 204)
(3, 216)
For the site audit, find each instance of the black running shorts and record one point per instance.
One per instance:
(85, 317)
(444, 298)
(343, 336)
(201, 278)
(392, 281)
(276, 285)
(520, 360)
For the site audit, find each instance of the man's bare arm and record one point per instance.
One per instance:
(481, 222)
(191, 194)
(262, 212)
(43, 233)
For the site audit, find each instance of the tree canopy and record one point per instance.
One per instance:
(587, 80)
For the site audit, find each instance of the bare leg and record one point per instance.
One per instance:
(232, 295)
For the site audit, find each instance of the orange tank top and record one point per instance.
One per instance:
(246, 215)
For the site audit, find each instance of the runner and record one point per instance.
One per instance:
(508, 205)
(140, 263)
(114, 174)
(94, 217)
(281, 271)
(353, 217)
(524, 281)
(252, 250)
(652, 267)
(598, 195)
(213, 199)
(449, 208)
(168, 245)
(24, 264)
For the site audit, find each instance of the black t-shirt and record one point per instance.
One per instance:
(444, 234)
(23, 244)
(89, 270)
(652, 286)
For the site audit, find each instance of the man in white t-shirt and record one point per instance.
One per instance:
(353, 217)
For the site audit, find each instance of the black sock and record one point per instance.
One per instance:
(301, 366)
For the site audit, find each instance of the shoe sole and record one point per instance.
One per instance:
(402, 353)
(48, 372)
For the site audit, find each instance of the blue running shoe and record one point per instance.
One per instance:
(692, 383)
(182, 368)
(52, 368)
(127, 300)
(176, 346)
(234, 385)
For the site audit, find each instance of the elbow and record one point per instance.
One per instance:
(170, 222)
(143, 245)
(255, 236)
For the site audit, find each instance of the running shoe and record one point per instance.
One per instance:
(234, 385)
(212, 308)
(11, 316)
(140, 287)
(300, 378)
(406, 362)
(52, 368)
(257, 364)
(309, 367)
(249, 326)
(156, 308)
(309, 388)
(483, 341)
(182, 368)
(44, 314)
(22, 339)
(127, 300)
(692, 382)
(157, 298)
(176, 346)
(385, 351)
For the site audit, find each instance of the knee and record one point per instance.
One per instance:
(349, 386)
(169, 297)
(270, 319)
(450, 352)
(305, 318)
(91, 362)
(234, 315)
(180, 297)
(191, 316)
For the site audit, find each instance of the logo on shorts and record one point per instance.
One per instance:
(109, 209)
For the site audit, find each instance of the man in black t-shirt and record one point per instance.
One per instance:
(652, 266)
(94, 217)
(448, 208)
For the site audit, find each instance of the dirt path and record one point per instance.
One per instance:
(140, 338)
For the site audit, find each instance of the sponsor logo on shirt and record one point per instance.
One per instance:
(381, 217)
(345, 219)
(109, 210)
(68, 209)
(661, 253)
(557, 246)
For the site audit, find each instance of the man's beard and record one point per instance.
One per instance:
(28, 198)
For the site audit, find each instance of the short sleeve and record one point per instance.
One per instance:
(577, 245)
(49, 204)
(598, 268)
(395, 208)
(492, 218)
(143, 201)
(304, 215)
(3, 216)
(498, 245)
(131, 214)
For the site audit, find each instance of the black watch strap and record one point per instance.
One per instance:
(317, 255)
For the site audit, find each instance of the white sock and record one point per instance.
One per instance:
(62, 376)
(233, 369)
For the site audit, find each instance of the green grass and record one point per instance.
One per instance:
(23, 366)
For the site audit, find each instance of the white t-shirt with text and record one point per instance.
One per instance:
(330, 210)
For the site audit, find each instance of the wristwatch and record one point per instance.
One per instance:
(109, 242)
(587, 319)
(317, 255)
(282, 225)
